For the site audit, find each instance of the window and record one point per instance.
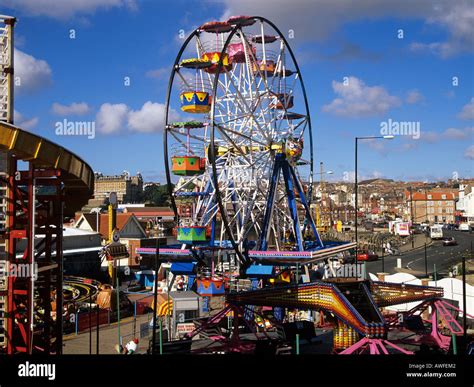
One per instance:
(440, 203)
(430, 197)
(430, 203)
(443, 196)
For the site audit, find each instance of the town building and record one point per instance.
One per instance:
(431, 206)
(465, 204)
(129, 188)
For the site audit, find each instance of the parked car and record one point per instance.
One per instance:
(367, 256)
(450, 241)
(464, 227)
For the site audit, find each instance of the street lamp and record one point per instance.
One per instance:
(321, 185)
(388, 137)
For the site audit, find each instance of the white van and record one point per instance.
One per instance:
(464, 227)
(436, 232)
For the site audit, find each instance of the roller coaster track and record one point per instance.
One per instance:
(76, 175)
(351, 302)
(78, 289)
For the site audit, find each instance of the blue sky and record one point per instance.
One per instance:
(402, 79)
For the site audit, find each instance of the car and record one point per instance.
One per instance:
(450, 241)
(464, 227)
(365, 255)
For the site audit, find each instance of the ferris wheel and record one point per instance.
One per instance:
(239, 160)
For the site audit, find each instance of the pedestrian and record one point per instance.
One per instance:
(180, 283)
(129, 349)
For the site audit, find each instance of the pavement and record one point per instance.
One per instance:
(419, 241)
(108, 338)
(413, 260)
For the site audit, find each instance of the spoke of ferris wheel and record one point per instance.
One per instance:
(233, 143)
(198, 138)
(243, 124)
(211, 198)
(232, 120)
(223, 128)
(251, 115)
(248, 52)
(254, 209)
(279, 64)
(241, 101)
(254, 164)
(254, 222)
(200, 52)
(183, 79)
(289, 94)
(209, 212)
(192, 180)
(254, 106)
(182, 143)
(251, 75)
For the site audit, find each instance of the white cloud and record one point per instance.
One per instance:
(376, 175)
(33, 74)
(455, 134)
(457, 17)
(375, 144)
(25, 123)
(111, 118)
(72, 109)
(408, 146)
(150, 118)
(316, 20)
(467, 112)
(430, 137)
(65, 9)
(161, 73)
(448, 134)
(469, 153)
(356, 99)
(414, 96)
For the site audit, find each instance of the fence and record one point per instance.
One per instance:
(80, 321)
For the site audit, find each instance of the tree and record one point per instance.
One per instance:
(157, 195)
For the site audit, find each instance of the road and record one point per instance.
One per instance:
(442, 256)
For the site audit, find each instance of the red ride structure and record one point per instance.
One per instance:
(33, 204)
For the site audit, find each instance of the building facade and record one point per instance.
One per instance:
(431, 206)
(129, 189)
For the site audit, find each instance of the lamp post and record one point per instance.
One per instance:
(321, 184)
(411, 218)
(355, 184)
